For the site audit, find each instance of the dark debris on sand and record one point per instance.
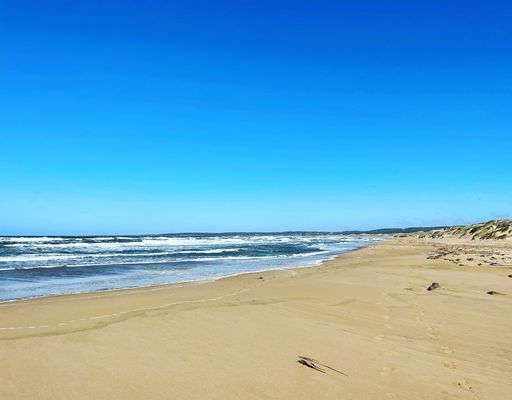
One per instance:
(317, 365)
(487, 256)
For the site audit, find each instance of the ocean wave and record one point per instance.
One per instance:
(211, 251)
(50, 257)
(30, 239)
(111, 242)
(169, 261)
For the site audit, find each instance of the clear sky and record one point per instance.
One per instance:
(163, 116)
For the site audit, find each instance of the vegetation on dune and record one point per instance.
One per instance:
(495, 229)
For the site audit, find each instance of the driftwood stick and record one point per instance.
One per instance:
(335, 370)
(314, 364)
(310, 363)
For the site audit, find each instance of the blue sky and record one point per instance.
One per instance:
(163, 116)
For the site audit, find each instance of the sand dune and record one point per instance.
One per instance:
(360, 327)
(491, 230)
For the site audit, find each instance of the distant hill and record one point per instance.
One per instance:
(394, 231)
(495, 229)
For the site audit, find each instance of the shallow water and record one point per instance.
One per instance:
(42, 266)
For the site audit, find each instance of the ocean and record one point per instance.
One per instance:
(43, 266)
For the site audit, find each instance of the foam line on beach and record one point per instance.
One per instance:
(135, 310)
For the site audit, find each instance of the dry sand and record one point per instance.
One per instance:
(366, 314)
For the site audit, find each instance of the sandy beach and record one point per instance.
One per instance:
(365, 320)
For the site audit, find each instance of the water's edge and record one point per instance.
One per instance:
(199, 281)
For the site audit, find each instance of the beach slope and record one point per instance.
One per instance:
(364, 324)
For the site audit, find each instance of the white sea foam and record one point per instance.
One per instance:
(212, 251)
(170, 261)
(49, 257)
(29, 239)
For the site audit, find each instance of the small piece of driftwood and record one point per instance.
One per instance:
(310, 363)
(315, 364)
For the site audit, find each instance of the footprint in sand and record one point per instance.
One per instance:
(447, 350)
(450, 365)
(432, 335)
(464, 385)
(420, 316)
(392, 396)
(386, 371)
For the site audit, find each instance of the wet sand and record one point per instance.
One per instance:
(365, 322)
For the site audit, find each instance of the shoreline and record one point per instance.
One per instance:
(366, 314)
(191, 282)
